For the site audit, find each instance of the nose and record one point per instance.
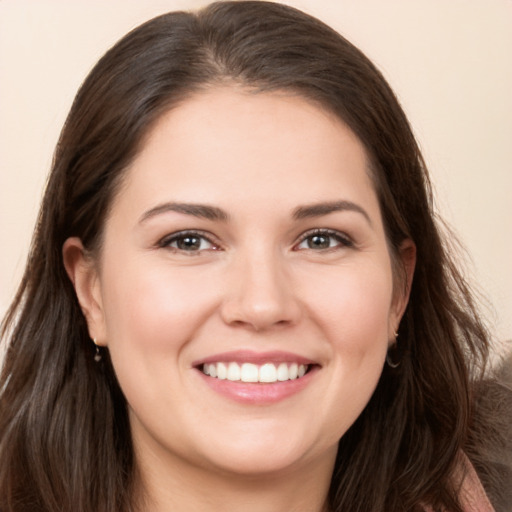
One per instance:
(260, 294)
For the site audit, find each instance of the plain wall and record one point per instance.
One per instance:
(449, 61)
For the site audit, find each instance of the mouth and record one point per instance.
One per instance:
(257, 378)
(268, 373)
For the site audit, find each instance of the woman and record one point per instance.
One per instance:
(237, 296)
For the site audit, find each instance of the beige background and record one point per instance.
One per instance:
(450, 62)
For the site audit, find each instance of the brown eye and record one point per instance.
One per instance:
(318, 242)
(321, 240)
(190, 242)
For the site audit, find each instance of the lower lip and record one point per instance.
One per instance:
(258, 393)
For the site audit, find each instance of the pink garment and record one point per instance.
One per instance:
(473, 497)
(472, 494)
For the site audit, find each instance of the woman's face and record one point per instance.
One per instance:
(245, 243)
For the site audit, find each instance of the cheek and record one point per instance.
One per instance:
(353, 306)
(152, 313)
(154, 306)
(353, 312)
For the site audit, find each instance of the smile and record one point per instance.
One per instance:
(248, 372)
(257, 378)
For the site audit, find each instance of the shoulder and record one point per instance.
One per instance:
(489, 446)
(472, 494)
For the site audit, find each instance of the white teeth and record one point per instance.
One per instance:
(233, 372)
(248, 372)
(268, 373)
(282, 372)
(222, 371)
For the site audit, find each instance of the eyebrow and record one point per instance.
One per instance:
(320, 209)
(214, 213)
(203, 211)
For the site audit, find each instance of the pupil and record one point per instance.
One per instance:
(189, 242)
(318, 242)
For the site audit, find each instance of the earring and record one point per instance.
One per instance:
(390, 362)
(393, 362)
(97, 355)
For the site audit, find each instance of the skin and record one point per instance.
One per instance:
(257, 283)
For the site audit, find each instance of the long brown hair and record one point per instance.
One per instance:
(65, 439)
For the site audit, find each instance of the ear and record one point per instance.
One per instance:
(83, 273)
(406, 263)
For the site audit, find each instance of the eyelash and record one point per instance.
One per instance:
(341, 239)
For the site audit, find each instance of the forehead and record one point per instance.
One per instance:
(250, 145)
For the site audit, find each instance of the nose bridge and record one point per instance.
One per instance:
(260, 294)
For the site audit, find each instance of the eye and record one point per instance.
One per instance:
(323, 239)
(188, 241)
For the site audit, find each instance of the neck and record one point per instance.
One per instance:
(183, 488)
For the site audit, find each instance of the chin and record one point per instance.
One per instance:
(249, 464)
(263, 453)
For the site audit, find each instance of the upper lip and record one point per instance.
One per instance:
(248, 356)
